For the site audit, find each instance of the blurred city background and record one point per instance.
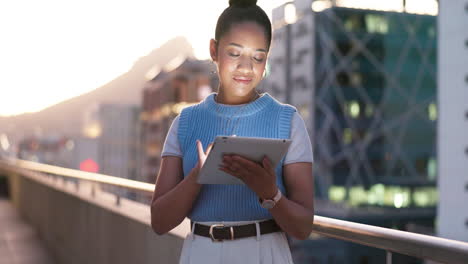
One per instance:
(381, 85)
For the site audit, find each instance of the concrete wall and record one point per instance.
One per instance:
(79, 228)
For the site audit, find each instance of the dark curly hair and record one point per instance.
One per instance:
(240, 11)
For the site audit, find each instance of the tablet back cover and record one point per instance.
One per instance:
(251, 148)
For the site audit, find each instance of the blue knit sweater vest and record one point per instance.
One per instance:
(264, 117)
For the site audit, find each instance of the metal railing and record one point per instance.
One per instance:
(411, 244)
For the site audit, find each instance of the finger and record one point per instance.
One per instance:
(208, 149)
(230, 163)
(267, 165)
(200, 148)
(201, 153)
(235, 173)
(236, 167)
(246, 163)
(266, 162)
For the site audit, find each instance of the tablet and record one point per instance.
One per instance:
(252, 148)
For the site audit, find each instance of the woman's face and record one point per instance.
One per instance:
(241, 58)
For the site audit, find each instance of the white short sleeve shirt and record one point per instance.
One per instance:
(300, 149)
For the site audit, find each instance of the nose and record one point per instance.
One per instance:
(245, 65)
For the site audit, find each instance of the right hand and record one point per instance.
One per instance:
(202, 154)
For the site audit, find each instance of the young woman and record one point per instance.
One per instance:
(237, 223)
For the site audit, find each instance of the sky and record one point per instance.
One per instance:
(52, 50)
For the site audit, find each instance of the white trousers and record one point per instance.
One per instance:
(270, 248)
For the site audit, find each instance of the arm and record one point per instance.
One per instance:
(174, 195)
(294, 214)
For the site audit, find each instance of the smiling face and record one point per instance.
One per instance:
(240, 57)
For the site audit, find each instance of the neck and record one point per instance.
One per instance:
(223, 98)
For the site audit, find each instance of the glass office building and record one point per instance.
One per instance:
(365, 83)
(375, 106)
(367, 90)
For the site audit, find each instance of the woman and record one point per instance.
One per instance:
(236, 223)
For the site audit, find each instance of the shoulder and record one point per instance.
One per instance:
(190, 108)
(284, 106)
(202, 105)
(297, 118)
(175, 122)
(187, 111)
(298, 125)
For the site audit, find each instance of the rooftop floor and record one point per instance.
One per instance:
(19, 242)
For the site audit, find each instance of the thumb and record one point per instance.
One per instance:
(266, 163)
(268, 166)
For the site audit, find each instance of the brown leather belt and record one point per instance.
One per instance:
(219, 232)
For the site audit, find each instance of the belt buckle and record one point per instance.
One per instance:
(212, 227)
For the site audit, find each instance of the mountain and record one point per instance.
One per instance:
(66, 117)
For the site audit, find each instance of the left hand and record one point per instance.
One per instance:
(260, 178)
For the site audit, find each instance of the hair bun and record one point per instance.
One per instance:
(242, 3)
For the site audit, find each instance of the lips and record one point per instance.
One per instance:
(243, 79)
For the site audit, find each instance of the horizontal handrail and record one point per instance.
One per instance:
(412, 244)
(83, 175)
(408, 243)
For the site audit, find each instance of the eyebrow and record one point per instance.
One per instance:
(240, 46)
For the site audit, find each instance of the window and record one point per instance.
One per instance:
(354, 109)
(432, 111)
(356, 79)
(431, 32)
(369, 110)
(353, 23)
(347, 135)
(432, 169)
(376, 24)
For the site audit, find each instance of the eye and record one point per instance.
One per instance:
(233, 54)
(258, 59)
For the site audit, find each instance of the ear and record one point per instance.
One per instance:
(267, 64)
(213, 50)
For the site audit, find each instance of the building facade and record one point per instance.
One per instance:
(365, 83)
(53, 150)
(119, 144)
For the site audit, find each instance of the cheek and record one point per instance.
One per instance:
(226, 65)
(259, 69)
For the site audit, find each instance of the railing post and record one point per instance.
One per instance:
(389, 257)
(93, 189)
